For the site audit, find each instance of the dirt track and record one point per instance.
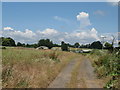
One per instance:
(86, 77)
(64, 77)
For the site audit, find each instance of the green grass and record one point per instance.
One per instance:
(106, 65)
(30, 68)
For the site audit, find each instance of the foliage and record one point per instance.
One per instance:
(56, 45)
(96, 45)
(85, 46)
(108, 45)
(45, 42)
(119, 43)
(20, 44)
(2, 47)
(64, 46)
(107, 65)
(7, 41)
(76, 45)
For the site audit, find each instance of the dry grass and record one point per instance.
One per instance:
(25, 68)
(75, 72)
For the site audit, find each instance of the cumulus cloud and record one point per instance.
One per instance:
(83, 17)
(83, 37)
(28, 36)
(8, 28)
(49, 31)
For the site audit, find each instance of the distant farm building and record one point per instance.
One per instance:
(86, 51)
(42, 47)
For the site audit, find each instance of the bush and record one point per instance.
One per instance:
(2, 47)
(109, 65)
(64, 47)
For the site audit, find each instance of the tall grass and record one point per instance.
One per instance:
(107, 65)
(29, 68)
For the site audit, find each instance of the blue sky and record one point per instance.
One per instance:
(40, 15)
(60, 17)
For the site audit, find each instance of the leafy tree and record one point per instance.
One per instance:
(35, 45)
(7, 41)
(70, 45)
(45, 42)
(19, 44)
(85, 46)
(23, 45)
(96, 45)
(64, 46)
(56, 45)
(119, 43)
(31, 45)
(62, 42)
(76, 45)
(108, 45)
(27, 45)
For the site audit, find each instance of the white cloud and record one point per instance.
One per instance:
(89, 34)
(28, 36)
(99, 12)
(8, 28)
(49, 31)
(58, 18)
(83, 17)
(113, 2)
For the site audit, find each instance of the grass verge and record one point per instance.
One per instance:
(107, 66)
(74, 75)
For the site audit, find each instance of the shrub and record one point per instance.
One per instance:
(109, 65)
(2, 47)
(54, 56)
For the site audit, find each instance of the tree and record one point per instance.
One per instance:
(76, 45)
(45, 42)
(96, 45)
(62, 42)
(64, 46)
(119, 43)
(31, 45)
(35, 45)
(69, 45)
(19, 44)
(56, 45)
(113, 40)
(7, 41)
(108, 45)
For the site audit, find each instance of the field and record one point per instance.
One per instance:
(32, 68)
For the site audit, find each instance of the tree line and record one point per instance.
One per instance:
(48, 43)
